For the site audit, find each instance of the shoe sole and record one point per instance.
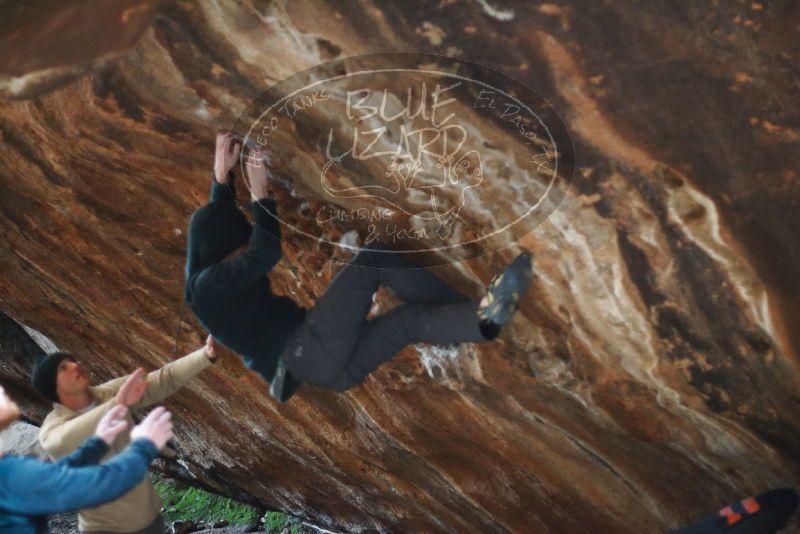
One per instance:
(505, 290)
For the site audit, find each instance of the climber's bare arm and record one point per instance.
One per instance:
(256, 173)
(225, 155)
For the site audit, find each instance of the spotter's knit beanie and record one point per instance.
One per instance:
(45, 373)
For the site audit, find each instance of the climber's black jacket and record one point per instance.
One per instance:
(232, 299)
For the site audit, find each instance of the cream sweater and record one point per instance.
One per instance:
(63, 430)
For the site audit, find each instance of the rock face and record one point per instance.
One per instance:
(652, 374)
(21, 439)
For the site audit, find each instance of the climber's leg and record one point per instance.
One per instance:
(412, 284)
(382, 337)
(322, 345)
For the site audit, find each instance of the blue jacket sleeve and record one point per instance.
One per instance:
(223, 191)
(31, 487)
(90, 453)
(263, 252)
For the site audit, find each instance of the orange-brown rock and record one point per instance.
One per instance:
(653, 372)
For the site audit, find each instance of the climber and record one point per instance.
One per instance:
(331, 345)
(764, 514)
(30, 489)
(77, 408)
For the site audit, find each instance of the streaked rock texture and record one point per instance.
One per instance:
(652, 375)
(21, 439)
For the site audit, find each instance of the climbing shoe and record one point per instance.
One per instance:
(504, 292)
(283, 384)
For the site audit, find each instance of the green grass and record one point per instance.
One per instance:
(183, 502)
(275, 522)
